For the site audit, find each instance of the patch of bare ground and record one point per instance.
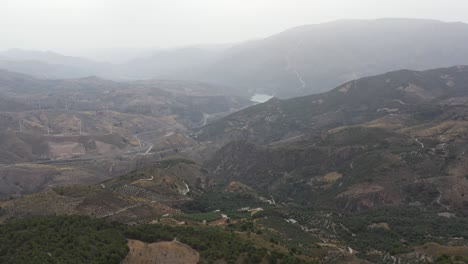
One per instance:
(161, 252)
(434, 250)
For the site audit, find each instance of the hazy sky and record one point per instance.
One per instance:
(79, 26)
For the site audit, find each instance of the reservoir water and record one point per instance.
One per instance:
(260, 98)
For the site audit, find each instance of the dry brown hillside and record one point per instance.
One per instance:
(161, 252)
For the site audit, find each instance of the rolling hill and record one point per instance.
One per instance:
(86, 130)
(50, 65)
(403, 95)
(395, 139)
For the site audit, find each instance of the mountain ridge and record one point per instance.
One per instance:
(299, 61)
(388, 140)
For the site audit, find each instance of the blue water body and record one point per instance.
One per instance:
(260, 98)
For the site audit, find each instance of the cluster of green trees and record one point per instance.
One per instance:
(62, 239)
(80, 239)
(217, 199)
(408, 226)
(446, 259)
(210, 216)
(212, 243)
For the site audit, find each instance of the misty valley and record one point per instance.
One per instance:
(340, 142)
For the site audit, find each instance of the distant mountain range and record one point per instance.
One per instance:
(50, 65)
(317, 58)
(299, 61)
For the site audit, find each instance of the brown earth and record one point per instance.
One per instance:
(161, 252)
(431, 251)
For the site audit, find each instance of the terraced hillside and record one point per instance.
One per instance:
(138, 196)
(96, 107)
(401, 99)
(89, 130)
(376, 168)
(393, 139)
(185, 100)
(374, 171)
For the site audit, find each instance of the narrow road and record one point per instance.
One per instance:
(120, 210)
(205, 119)
(187, 189)
(291, 67)
(439, 198)
(417, 140)
(138, 205)
(144, 149)
(144, 143)
(149, 179)
(149, 149)
(188, 248)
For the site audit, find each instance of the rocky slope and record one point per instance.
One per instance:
(55, 132)
(96, 107)
(402, 98)
(390, 140)
(141, 195)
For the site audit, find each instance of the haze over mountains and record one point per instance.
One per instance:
(96, 120)
(380, 140)
(359, 154)
(49, 65)
(355, 167)
(299, 61)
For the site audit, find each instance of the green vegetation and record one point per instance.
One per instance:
(212, 243)
(238, 214)
(446, 259)
(407, 227)
(79, 239)
(64, 239)
(288, 235)
(358, 135)
(165, 164)
(218, 200)
(211, 216)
